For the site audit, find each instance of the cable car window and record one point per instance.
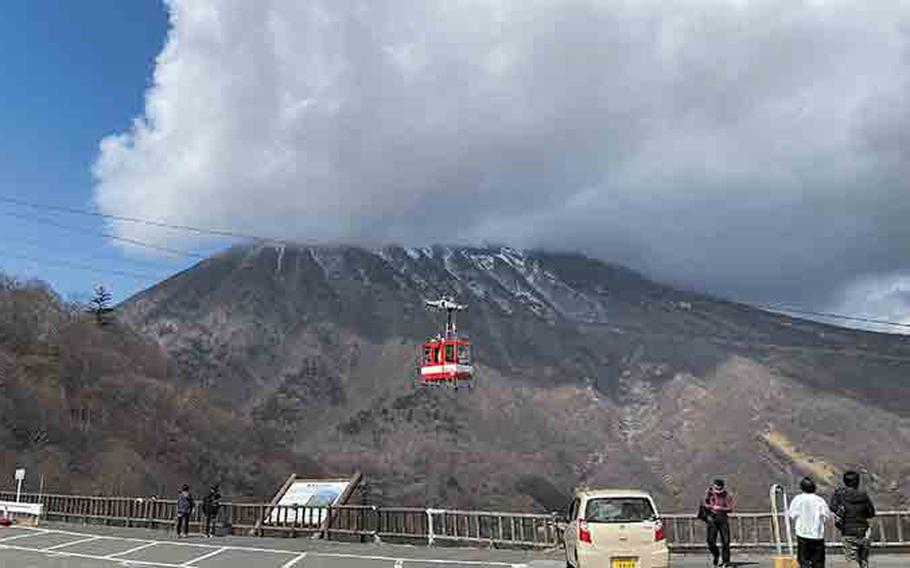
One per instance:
(427, 354)
(464, 355)
(450, 353)
(435, 357)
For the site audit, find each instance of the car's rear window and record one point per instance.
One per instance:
(619, 510)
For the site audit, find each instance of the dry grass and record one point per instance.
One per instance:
(818, 468)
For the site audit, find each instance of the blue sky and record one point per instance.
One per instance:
(71, 72)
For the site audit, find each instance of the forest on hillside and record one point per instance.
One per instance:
(91, 407)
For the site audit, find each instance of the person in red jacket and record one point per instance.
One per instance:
(719, 502)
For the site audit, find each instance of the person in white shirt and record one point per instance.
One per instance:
(810, 513)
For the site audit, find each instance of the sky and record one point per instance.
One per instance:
(70, 74)
(753, 150)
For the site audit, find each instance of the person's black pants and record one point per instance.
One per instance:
(183, 521)
(810, 552)
(719, 524)
(210, 524)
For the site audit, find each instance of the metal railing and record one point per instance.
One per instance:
(891, 529)
(495, 528)
(362, 522)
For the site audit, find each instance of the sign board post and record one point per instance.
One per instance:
(20, 475)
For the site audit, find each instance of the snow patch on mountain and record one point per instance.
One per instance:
(484, 262)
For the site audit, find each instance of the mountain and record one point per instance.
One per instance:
(588, 373)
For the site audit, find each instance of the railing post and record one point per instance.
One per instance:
(327, 535)
(431, 537)
(375, 527)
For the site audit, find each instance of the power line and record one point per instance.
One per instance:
(141, 221)
(34, 243)
(609, 327)
(256, 238)
(786, 309)
(105, 234)
(621, 329)
(78, 266)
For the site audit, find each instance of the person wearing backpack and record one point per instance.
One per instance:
(852, 510)
(715, 511)
(185, 505)
(211, 503)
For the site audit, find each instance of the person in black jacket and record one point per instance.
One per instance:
(719, 504)
(210, 505)
(852, 510)
(185, 505)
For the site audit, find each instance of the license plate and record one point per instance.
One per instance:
(625, 563)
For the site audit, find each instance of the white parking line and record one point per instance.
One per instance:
(294, 561)
(298, 555)
(89, 556)
(74, 533)
(75, 542)
(189, 563)
(132, 550)
(409, 560)
(9, 538)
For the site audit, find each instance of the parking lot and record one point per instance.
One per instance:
(90, 547)
(62, 546)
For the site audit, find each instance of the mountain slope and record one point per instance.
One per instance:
(588, 373)
(94, 410)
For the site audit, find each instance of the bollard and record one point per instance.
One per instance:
(784, 562)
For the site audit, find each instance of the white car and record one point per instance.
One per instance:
(615, 529)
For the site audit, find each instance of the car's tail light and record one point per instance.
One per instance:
(584, 535)
(659, 532)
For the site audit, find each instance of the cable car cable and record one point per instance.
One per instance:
(104, 234)
(41, 245)
(79, 266)
(609, 327)
(255, 238)
(142, 221)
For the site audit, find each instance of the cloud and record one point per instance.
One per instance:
(749, 149)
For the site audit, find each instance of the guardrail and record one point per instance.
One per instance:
(891, 529)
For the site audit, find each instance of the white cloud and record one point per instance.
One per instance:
(755, 149)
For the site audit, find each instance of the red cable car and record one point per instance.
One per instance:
(446, 359)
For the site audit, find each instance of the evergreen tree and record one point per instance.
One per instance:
(100, 304)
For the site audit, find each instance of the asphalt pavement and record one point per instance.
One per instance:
(64, 546)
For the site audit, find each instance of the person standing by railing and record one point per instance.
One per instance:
(210, 505)
(852, 510)
(810, 513)
(185, 505)
(719, 505)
